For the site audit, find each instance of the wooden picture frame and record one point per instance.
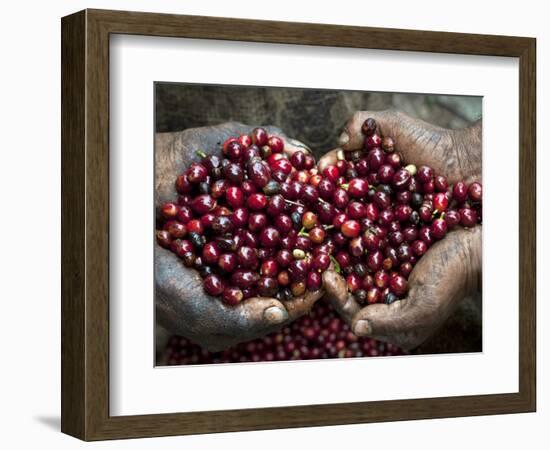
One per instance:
(85, 224)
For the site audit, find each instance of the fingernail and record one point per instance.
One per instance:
(344, 138)
(275, 315)
(362, 328)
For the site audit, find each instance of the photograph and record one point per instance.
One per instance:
(306, 224)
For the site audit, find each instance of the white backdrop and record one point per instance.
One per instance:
(29, 177)
(136, 387)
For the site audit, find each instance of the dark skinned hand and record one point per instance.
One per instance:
(182, 306)
(451, 269)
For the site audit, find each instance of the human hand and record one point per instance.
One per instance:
(182, 306)
(451, 269)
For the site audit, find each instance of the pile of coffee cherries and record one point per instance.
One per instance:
(389, 214)
(321, 334)
(249, 221)
(256, 222)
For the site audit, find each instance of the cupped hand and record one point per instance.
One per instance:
(451, 269)
(182, 306)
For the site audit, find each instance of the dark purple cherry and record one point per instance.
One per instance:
(269, 237)
(425, 212)
(386, 173)
(440, 183)
(410, 233)
(276, 144)
(460, 192)
(362, 167)
(233, 173)
(403, 213)
(256, 201)
(247, 258)
(298, 269)
(239, 217)
(404, 252)
(314, 281)
(326, 189)
(386, 217)
(282, 165)
(394, 160)
(234, 196)
(358, 187)
(369, 126)
(275, 205)
(164, 239)
(357, 210)
(419, 247)
(258, 173)
(475, 192)
(232, 295)
(439, 228)
(452, 217)
(440, 202)
(244, 278)
(213, 285)
(403, 197)
(398, 285)
(196, 173)
(402, 179)
(374, 260)
(340, 198)
(222, 225)
(227, 262)
(267, 286)
(234, 151)
(468, 217)
(374, 295)
(269, 268)
(375, 158)
(325, 212)
(373, 141)
(259, 136)
(210, 253)
(425, 174)
(283, 223)
(202, 204)
(320, 262)
(257, 222)
(426, 235)
(310, 195)
(298, 159)
(284, 258)
(183, 185)
(382, 200)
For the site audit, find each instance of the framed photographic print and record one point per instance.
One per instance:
(271, 225)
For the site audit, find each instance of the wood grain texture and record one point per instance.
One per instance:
(85, 224)
(73, 229)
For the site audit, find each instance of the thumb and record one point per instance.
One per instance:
(338, 296)
(381, 320)
(293, 145)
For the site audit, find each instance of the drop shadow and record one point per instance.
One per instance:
(52, 422)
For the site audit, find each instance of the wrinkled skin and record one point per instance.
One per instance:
(182, 307)
(451, 269)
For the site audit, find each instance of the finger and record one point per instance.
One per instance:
(298, 306)
(352, 137)
(337, 294)
(441, 279)
(293, 145)
(380, 320)
(328, 159)
(263, 312)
